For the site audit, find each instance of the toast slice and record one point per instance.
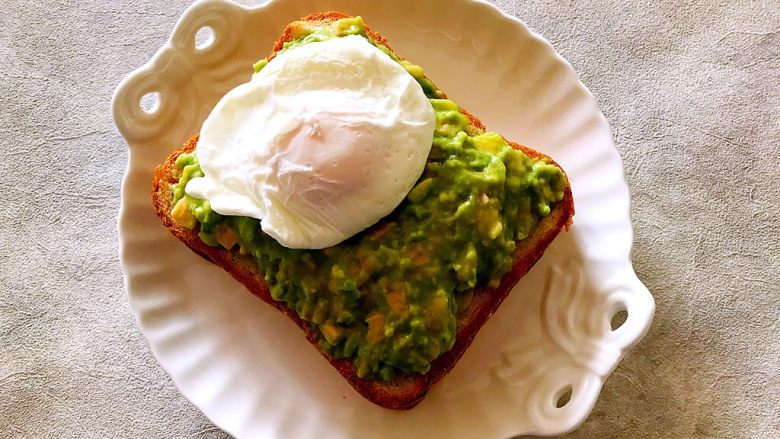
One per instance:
(405, 390)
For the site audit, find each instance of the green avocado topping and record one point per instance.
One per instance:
(388, 297)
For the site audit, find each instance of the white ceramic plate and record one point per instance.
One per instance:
(250, 370)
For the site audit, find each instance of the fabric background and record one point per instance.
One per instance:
(689, 87)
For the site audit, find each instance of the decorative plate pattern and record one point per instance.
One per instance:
(249, 369)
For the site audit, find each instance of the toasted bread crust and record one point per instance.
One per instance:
(406, 390)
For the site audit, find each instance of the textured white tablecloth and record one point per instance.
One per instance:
(690, 88)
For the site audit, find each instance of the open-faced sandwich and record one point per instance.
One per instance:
(341, 186)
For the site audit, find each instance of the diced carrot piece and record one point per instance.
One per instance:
(437, 310)
(226, 237)
(379, 232)
(376, 328)
(331, 333)
(182, 216)
(397, 301)
(418, 255)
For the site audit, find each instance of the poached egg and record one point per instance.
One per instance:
(322, 143)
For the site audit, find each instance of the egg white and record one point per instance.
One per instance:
(322, 143)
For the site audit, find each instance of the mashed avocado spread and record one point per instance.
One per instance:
(389, 297)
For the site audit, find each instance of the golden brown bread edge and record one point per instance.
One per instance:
(408, 389)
